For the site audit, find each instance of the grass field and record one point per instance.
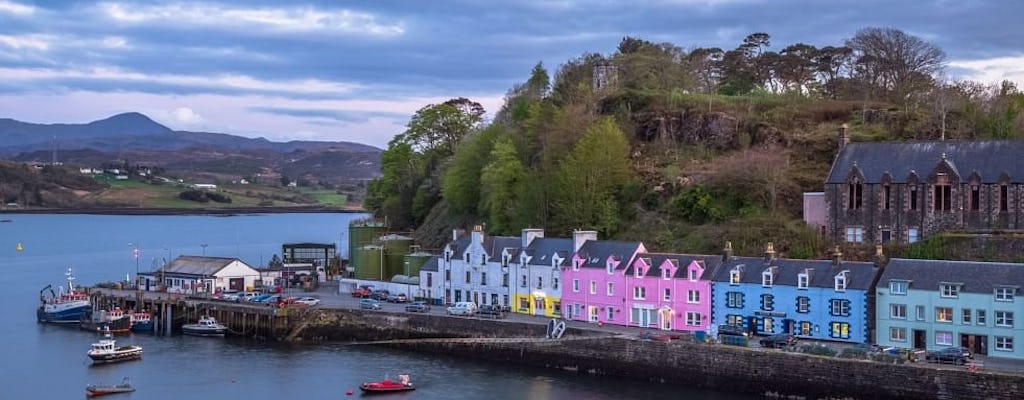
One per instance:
(144, 194)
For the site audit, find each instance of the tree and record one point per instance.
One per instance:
(590, 177)
(502, 183)
(900, 63)
(441, 127)
(796, 67)
(707, 62)
(830, 63)
(461, 182)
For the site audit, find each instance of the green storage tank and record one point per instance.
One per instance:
(367, 262)
(396, 247)
(414, 261)
(363, 232)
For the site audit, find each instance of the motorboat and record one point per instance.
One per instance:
(101, 390)
(207, 326)
(106, 350)
(388, 385)
(62, 307)
(114, 321)
(141, 321)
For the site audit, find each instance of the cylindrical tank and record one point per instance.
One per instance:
(396, 247)
(363, 232)
(414, 261)
(367, 262)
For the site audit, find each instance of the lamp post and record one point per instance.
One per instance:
(204, 248)
(135, 254)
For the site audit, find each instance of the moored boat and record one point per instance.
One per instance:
(62, 307)
(388, 385)
(115, 321)
(106, 350)
(207, 326)
(100, 390)
(141, 321)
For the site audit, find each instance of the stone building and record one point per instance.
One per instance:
(902, 192)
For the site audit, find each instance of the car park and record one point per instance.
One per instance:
(369, 304)
(490, 311)
(955, 355)
(462, 308)
(418, 306)
(397, 298)
(778, 340)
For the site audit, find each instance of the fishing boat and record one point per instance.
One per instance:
(106, 350)
(207, 326)
(388, 385)
(114, 321)
(100, 390)
(62, 307)
(141, 321)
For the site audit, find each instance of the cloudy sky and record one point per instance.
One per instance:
(356, 71)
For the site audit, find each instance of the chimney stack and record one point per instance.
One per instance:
(837, 256)
(769, 252)
(580, 237)
(879, 257)
(529, 234)
(478, 234)
(727, 251)
(844, 137)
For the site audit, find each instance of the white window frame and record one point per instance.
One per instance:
(913, 235)
(980, 317)
(610, 313)
(840, 281)
(854, 234)
(949, 290)
(898, 311)
(639, 293)
(919, 313)
(965, 316)
(693, 296)
(693, 275)
(610, 267)
(898, 288)
(1004, 294)
(1004, 319)
(734, 299)
(576, 285)
(943, 338)
(803, 304)
(941, 316)
(897, 334)
(593, 287)
(1004, 343)
(803, 279)
(667, 294)
(610, 289)
(734, 277)
(693, 318)
(767, 278)
(666, 274)
(840, 307)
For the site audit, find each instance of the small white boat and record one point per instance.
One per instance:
(207, 326)
(106, 350)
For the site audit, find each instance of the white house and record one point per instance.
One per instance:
(204, 186)
(538, 274)
(473, 270)
(200, 274)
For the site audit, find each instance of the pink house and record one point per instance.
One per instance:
(595, 285)
(670, 292)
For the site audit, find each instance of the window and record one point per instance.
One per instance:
(593, 287)
(943, 314)
(610, 314)
(734, 320)
(975, 198)
(576, 285)
(1004, 318)
(802, 280)
(693, 275)
(639, 293)
(522, 281)
(540, 282)
(610, 267)
(483, 278)
(898, 334)
(692, 296)
(638, 272)
(466, 257)
(839, 330)
(898, 311)
(734, 299)
(666, 273)
(734, 277)
(949, 290)
(898, 288)
(667, 295)
(1004, 343)
(804, 328)
(524, 304)
(467, 276)
(913, 199)
(943, 338)
(854, 234)
(913, 234)
(576, 310)
(767, 302)
(554, 283)
(803, 304)
(919, 313)
(981, 317)
(1004, 198)
(767, 325)
(886, 235)
(610, 289)
(965, 316)
(855, 196)
(447, 275)
(576, 264)
(943, 197)
(504, 280)
(692, 318)
(841, 281)
(840, 308)
(886, 197)
(766, 278)
(1004, 294)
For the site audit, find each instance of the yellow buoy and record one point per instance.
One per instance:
(20, 247)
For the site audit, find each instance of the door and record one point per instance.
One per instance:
(920, 339)
(975, 343)
(788, 326)
(539, 306)
(236, 284)
(592, 313)
(666, 319)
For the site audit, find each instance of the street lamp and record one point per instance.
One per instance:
(204, 248)
(135, 254)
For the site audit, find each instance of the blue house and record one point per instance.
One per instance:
(932, 304)
(814, 299)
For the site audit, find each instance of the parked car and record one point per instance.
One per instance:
(260, 298)
(778, 340)
(731, 330)
(309, 301)
(397, 298)
(362, 292)
(380, 295)
(418, 306)
(462, 308)
(229, 296)
(246, 296)
(955, 355)
(490, 311)
(369, 304)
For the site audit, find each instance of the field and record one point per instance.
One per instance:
(136, 193)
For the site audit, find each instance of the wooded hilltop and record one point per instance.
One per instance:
(680, 147)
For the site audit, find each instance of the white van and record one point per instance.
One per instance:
(462, 308)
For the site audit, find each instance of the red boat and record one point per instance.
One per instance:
(388, 385)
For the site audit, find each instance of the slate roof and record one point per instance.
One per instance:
(822, 275)
(196, 265)
(431, 264)
(541, 248)
(710, 264)
(595, 252)
(460, 245)
(499, 244)
(990, 158)
(976, 276)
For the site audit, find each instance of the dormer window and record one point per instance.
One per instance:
(467, 257)
(448, 256)
(949, 290)
(767, 278)
(734, 277)
(666, 273)
(803, 280)
(637, 272)
(841, 281)
(483, 259)
(576, 264)
(610, 267)
(693, 275)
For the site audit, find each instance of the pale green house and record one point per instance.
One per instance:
(931, 304)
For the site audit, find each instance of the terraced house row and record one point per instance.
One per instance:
(927, 304)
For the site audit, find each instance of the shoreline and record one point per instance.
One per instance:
(182, 211)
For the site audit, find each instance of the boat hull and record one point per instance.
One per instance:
(144, 327)
(62, 315)
(119, 325)
(202, 331)
(383, 387)
(93, 391)
(121, 354)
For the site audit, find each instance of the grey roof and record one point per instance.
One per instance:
(461, 244)
(499, 244)
(431, 264)
(543, 247)
(822, 272)
(976, 276)
(989, 158)
(196, 265)
(595, 252)
(709, 262)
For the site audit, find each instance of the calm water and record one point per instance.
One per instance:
(49, 362)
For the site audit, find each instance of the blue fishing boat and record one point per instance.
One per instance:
(141, 321)
(62, 307)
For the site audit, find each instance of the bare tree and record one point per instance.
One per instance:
(900, 63)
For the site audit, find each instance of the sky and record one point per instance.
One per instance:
(356, 71)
